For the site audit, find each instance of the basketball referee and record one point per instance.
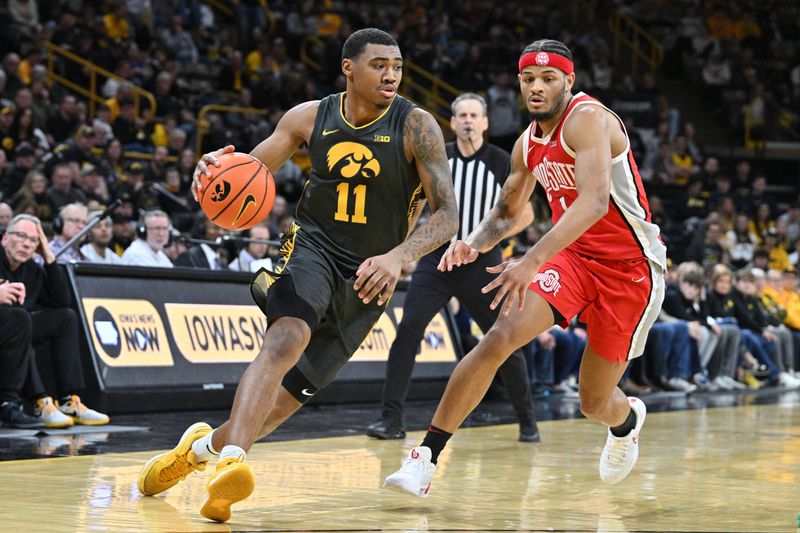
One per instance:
(479, 170)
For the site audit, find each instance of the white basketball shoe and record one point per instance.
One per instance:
(620, 453)
(415, 475)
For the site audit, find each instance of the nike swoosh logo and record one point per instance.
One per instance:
(248, 201)
(326, 132)
(306, 393)
(638, 280)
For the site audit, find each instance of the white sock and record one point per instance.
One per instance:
(203, 448)
(232, 451)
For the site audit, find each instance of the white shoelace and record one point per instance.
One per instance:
(618, 452)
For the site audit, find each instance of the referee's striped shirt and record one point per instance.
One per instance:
(477, 181)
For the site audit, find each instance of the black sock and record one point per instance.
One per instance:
(626, 427)
(435, 439)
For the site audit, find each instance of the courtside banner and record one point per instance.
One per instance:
(150, 327)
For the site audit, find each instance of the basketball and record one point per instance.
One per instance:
(239, 193)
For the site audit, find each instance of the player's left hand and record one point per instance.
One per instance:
(515, 276)
(378, 275)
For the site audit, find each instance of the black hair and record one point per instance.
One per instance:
(355, 44)
(548, 45)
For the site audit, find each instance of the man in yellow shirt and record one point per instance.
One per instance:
(782, 289)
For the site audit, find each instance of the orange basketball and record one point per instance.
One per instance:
(240, 192)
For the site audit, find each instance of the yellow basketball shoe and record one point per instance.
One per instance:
(233, 482)
(167, 469)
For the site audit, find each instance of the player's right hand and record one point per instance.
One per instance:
(12, 293)
(211, 158)
(457, 254)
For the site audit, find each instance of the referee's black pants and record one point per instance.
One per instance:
(428, 292)
(15, 342)
(55, 338)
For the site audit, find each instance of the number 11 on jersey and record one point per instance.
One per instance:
(341, 214)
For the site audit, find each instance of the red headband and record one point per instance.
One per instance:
(544, 59)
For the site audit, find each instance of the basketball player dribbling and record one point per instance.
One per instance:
(373, 154)
(603, 258)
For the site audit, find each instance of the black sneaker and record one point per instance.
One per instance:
(386, 429)
(12, 415)
(528, 430)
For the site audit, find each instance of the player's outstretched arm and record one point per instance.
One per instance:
(293, 129)
(424, 145)
(511, 214)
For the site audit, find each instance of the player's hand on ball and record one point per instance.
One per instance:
(378, 276)
(515, 277)
(211, 158)
(457, 254)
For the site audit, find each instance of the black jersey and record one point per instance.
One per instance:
(361, 192)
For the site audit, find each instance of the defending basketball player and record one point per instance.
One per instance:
(603, 258)
(373, 153)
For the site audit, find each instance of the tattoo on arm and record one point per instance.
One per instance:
(424, 136)
(497, 223)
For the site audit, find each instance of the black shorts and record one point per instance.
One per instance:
(308, 286)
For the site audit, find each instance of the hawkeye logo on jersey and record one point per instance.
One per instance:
(351, 160)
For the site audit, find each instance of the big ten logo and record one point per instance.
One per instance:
(217, 333)
(375, 346)
(437, 344)
(127, 332)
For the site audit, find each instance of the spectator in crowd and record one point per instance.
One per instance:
(683, 302)
(253, 255)
(23, 130)
(71, 219)
(791, 220)
(753, 316)
(61, 191)
(93, 185)
(726, 213)
(722, 305)
(64, 122)
(24, 161)
(6, 214)
(741, 242)
(32, 197)
(123, 233)
(775, 247)
(686, 166)
(47, 299)
(693, 203)
(156, 170)
(79, 148)
(97, 250)
(152, 236)
(721, 189)
(708, 247)
(504, 112)
(203, 255)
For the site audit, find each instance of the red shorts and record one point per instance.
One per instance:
(618, 300)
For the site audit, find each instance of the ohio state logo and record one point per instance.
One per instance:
(549, 281)
(542, 58)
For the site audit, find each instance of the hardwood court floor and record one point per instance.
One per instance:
(725, 469)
